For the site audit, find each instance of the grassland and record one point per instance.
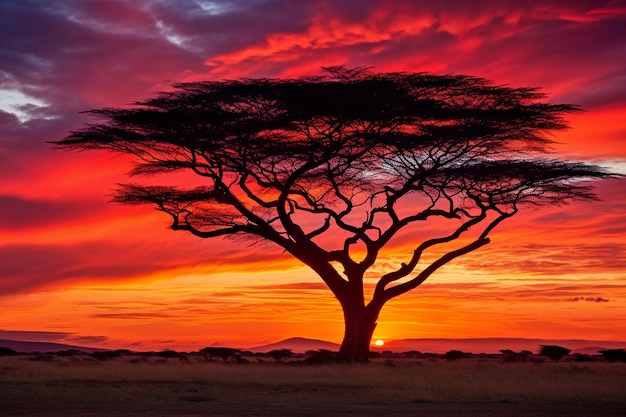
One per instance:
(156, 387)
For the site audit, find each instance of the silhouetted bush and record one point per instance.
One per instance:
(220, 352)
(106, 355)
(70, 352)
(321, 357)
(511, 356)
(7, 352)
(455, 355)
(239, 360)
(388, 354)
(553, 352)
(412, 354)
(280, 354)
(168, 353)
(614, 355)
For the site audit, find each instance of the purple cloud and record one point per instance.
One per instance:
(20, 213)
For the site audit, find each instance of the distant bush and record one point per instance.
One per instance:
(220, 352)
(70, 352)
(7, 352)
(455, 355)
(412, 354)
(321, 357)
(553, 352)
(280, 354)
(106, 355)
(511, 356)
(614, 355)
(168, 354)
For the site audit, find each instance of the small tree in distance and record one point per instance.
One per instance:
(555, 353)
(334, 168)
(220, 352)
(614, 355)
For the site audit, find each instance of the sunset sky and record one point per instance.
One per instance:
(77, 269)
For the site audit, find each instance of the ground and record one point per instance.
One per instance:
(158, 388)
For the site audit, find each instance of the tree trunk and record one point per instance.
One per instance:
(359, 328)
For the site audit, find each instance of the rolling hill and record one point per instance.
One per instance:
(43, 347)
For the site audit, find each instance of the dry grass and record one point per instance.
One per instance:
(87, 387)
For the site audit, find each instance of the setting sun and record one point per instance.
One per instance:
(379, 343)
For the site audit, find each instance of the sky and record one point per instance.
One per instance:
(78, 269)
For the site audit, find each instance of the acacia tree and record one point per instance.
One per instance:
(333, 168)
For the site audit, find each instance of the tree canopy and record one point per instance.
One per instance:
(333, 167)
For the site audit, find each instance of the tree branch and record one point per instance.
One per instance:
(406, 269)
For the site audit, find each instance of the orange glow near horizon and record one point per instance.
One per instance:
(77, 269)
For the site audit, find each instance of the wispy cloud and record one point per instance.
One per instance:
(33, 336)
(56, 337)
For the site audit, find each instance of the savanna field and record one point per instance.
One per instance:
(50, 385)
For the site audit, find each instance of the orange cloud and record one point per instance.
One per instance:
(605, 125)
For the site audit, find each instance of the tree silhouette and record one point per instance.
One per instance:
(334, 168)
(220, 352)
(553, 352)
(614, 355)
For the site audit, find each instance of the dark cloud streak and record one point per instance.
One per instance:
(20, 213)
(26, 267)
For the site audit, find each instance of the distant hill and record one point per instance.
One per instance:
(297, 345)
(593, 350)
(478, 345)
(301, 345)
(43, 347)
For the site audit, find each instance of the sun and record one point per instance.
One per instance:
(379, 343)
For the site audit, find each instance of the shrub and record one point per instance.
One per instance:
(614, 355)
(280, 354)
(70, 352)
(220, 352)
(321, 357)
(7, 352)
(453, 355)
(168, 353)
(106, 355)
(511, 356)
(553, 352)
